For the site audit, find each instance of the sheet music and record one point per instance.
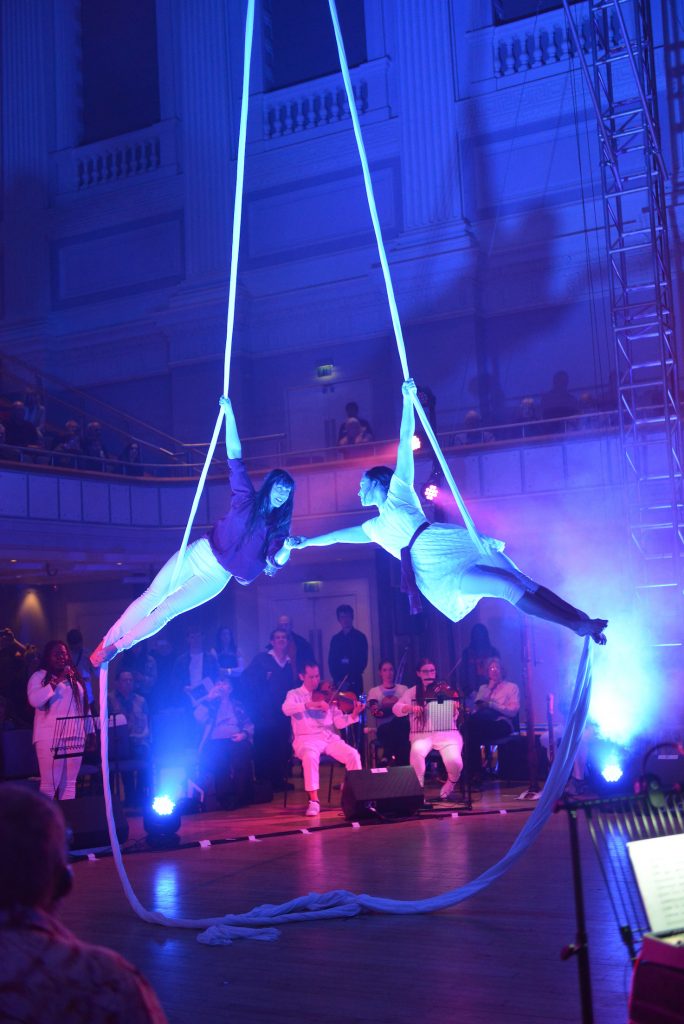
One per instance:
(659, 868)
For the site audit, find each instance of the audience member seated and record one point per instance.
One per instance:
(131, 461)
(392, 735)
(96, 456)
(354, 429)
(19, 432)
(497, 704)
(123, 700)
(473, 432)
(226, 746)
(263, 686)
(313, 729)
(47, 975)
(68, 450)
(472, 668)
(433, 710)
(528, 417)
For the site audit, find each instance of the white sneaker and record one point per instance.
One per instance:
(446, 790)
(313, 809)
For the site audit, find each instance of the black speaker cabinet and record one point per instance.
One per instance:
(388, 792)
(86, 821)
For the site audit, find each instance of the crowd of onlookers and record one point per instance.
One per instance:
(78, 443)
(25, 437)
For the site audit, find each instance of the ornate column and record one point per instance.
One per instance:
(25, 67)
(431, 173)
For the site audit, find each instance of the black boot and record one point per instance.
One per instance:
(544, 604)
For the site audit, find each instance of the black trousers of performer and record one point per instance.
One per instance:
(482, 728)
(393, 737)
(229, 762)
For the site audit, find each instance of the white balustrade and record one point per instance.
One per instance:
(542, 41)
(118, 160)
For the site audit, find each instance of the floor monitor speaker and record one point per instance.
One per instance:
(87, 824)
(384, 792)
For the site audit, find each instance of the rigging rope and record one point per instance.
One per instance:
(389, 287)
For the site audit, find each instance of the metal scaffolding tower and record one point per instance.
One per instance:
(633, 173)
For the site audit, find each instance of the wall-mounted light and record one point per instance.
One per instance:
(325, 370)
(311, 586)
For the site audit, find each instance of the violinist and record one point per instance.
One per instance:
(392, 732)
(432, 709)
(315, 714)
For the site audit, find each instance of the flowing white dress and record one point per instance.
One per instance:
(440, 555)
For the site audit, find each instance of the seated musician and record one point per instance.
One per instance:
(433, 710)
(392, 733)
(497, 704)
(315, 715)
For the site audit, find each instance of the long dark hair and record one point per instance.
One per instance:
(381, 475)
(74, 677)
(420, 685)
(277, 519)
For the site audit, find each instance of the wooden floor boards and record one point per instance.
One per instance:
(494, 957)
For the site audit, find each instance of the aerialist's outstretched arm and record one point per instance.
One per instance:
(404, 468)
(349, 535)
(233, 445)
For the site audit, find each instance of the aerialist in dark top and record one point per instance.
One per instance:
(253, 537)
(440, 560)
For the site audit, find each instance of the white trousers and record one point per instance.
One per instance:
(57, 775)
(201, 578)
(449, 744)
(309, 749)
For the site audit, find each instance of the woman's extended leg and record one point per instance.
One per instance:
(511, 585)
(202, 577)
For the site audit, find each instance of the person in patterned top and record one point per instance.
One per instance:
(47, 974)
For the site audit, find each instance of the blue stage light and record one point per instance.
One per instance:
(161, 821)
(612, 772)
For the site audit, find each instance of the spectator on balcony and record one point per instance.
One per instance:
(130, 460)
(354, 430)
(34, 410)
(427, 399)
(19, 431)
(70, 447)
(7, 454)
(528, 417)
(473, 432)
(558, 402)
(96, 455)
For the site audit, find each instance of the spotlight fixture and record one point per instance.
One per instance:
(161, 822)
(432, 485)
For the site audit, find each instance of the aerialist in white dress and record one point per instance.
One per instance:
(439, 559)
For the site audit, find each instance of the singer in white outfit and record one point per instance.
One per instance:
(56, 693)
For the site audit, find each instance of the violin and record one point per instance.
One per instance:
(441, 691)
(344, 700)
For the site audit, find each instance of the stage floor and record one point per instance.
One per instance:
(494, 957)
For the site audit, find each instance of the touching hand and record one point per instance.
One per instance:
(225, 402)
(297, 542)
(409, 389)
